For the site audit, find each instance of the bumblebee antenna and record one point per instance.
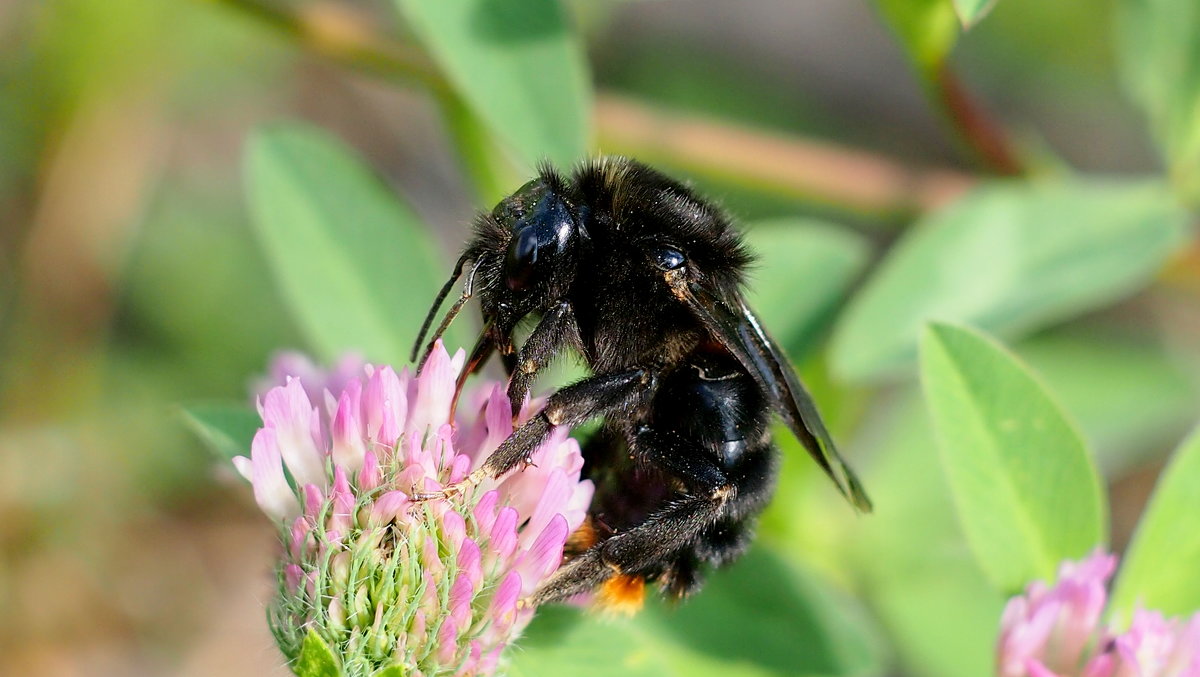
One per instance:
(437, 304)
(467, 292)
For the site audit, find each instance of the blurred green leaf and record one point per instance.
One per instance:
(518, 65)
(804, 267)
(491, 173)
(776, 616)
(916, 569)
(1161, 564)
(1008, 258)
(354, 265)
(927, 30)
(1159, 57)
(316, 658)
(943, 616)
(567, 641)
(195, 259)
(758, 618)
(1129, 395)
(1024, 484)
(971, 11)
(228, 429)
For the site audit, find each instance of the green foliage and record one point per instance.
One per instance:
(972, 11)
(228, 429)
(519, 67)
(927, 30)
(1161, 564)
(917, 571)
(1159, 55)
(354, 265)
(777, 617)
(567, 641)
(803, 270)
(1023, 482)
(191, 297)
(1129, 395)
(1008, 258)
(776, 620)
(316, 659)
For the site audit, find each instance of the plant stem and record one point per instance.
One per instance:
(787, 165)
(978, 130)
(343, 37)
(793, 167)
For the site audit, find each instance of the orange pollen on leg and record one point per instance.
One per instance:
(582, 539)
(622, 594)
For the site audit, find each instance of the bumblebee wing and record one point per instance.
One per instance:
(739, 330)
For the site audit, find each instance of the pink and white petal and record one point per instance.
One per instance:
(349, 447)
(470, 562)
(545, 554)
(434, 391)
(385, 406)
(271, 489)
(1036, 669)
(288, 411)
(485, 511)
(555, 494)
(503, 541)
(576, 509)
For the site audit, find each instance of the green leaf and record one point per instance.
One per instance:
(1024, 484)
(766, 612)
(563, 641)
(1130, 396)
(971, 11)
(355, 266)
(227, 428)
(568, 641)
(942, 617)
(518, 65)
(492, 174)
(1158, 54)
(804, 268)
(391, 671)
(927, 30)
(1008, 258)
(316, 658)
(939, 611)
(1161, 564)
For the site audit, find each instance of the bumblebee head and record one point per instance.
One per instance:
(522, 258)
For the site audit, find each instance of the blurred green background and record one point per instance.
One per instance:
(133, 282)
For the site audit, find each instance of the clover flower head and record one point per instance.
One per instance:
(1056, 631)
(429, 586)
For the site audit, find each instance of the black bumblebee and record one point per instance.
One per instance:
(642, 278)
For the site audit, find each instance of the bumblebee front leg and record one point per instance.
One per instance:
(556, 329)
(574, 404)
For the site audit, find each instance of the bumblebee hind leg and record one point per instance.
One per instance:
(640, 551)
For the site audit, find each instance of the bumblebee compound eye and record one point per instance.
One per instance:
(668, 258)
(521, 259)
(541, 237)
